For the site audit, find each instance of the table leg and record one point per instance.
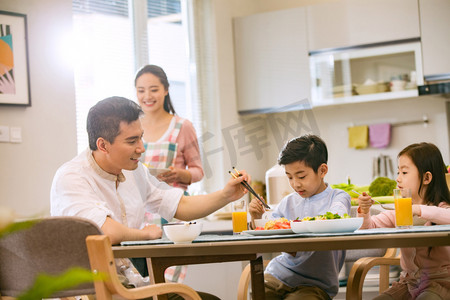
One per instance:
(156, 274)
(157, 265)
(257, 275)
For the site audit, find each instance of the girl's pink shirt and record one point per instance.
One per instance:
(415, 261)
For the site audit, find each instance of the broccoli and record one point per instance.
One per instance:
(382, 186)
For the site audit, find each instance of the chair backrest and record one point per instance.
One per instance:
(51, 246)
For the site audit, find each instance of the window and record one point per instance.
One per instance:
(105, 63)
(112, 42)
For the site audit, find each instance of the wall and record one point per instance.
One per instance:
(334, 121)
(48, 126)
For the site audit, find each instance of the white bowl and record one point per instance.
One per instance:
(183, 233)
(300, 227)
(335, 225)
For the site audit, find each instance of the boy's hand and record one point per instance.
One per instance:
(365, 202)
(256, 209)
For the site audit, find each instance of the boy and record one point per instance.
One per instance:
(313, 274)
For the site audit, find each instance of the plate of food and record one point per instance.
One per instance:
(156, 172)
(268, 231)
(299, 226)
(326, 223)
(334, 225)
(272, 227)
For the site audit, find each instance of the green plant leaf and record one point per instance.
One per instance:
(17, 226)
(45, 285)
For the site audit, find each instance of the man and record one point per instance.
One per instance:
(108, 185)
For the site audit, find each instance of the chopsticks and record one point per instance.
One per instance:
(248, 187)
(178, 223)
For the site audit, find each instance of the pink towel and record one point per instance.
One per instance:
(380, 135)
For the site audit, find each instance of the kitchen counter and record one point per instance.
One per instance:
(217, 227)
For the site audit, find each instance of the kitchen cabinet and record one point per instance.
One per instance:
(359, 22)
(272, 65)
(434, 25)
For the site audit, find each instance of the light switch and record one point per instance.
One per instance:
(4, 134)
(15, 135)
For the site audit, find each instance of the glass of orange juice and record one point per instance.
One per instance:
(239, 215)
(403, 208)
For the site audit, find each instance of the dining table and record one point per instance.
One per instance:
(214, 248)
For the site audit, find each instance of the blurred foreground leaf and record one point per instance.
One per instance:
(45, 285)
(17, 226)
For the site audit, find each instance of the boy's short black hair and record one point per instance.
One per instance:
(104, 118)
(309, 149)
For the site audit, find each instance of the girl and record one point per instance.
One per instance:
(426, 270)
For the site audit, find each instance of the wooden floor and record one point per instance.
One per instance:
(368, 293)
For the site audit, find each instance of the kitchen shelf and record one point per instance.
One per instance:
(365, 73)
(367, 98)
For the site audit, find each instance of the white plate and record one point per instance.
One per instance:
(300, 227)
(156, 172)
(336, 225)
(268, 232)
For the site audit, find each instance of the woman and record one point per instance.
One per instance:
(170, 141)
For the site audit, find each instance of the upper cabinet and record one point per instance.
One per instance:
(435, 25)
(359, 22)
(340, 52)
(272, 65)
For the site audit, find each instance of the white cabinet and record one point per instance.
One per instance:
(359, 22)
(435, 25)
(272, 69)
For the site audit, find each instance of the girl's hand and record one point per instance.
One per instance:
(365, 202)
(153, 231)
(416, 210)
(256, 209)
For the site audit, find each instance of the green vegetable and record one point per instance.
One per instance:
(330, 216)
(349, 187)
(382, 186)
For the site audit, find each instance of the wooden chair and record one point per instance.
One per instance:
(244, 281)
(363, 265)
(54, 245)
(102, 261)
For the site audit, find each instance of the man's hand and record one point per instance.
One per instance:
(154, 231)
(118, 232)
(234, 190)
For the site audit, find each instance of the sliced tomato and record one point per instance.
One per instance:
(282, 225)
(259, 228)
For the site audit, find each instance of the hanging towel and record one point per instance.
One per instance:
(380, 135)
(358, 137)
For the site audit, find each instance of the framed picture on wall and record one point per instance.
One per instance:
(14, 69)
